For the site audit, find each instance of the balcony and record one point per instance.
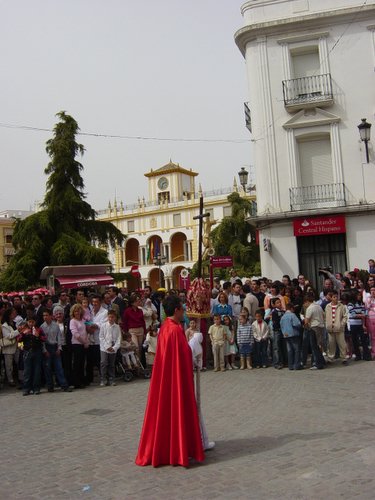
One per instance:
(321, 196)
(308, 92)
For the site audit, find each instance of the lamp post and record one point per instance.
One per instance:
(365, 134)
(243, 175)
(159, 261)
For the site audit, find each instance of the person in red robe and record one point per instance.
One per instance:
(171, 433)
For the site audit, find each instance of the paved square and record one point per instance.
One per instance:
(279, 434)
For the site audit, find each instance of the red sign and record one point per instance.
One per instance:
(184, 282)
(221, 261)
(134, 270)
(319, 226)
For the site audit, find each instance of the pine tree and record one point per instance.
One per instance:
(234, 236)
(65, 231)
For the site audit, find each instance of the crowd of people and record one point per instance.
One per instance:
(281, 323)
(60, 341)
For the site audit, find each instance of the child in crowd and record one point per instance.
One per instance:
(151, 343)
(230, 349)
(345, 299)
(87, 315)
(336, 318)
(218, 335)
(246, 312)
(128, 350)
(109, 338)
(291, 329)
(32, 339)
(148, 313)
(195, 344)
(245, 340)
(357, 317)
(276, 315)
(193, 327)
(261, 332)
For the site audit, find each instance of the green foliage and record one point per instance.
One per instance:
(231, 237)
(65, 231)
(120, 277)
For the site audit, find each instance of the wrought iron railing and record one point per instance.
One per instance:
(321, 196)
(309, 89)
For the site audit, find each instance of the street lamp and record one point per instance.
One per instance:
(159, 261)
(243, 175)
(365, 134)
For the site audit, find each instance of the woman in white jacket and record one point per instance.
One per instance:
(9, 343)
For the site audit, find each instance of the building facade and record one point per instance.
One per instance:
(7, 218)
(310, 67)
(162, 234)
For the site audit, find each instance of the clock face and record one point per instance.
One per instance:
(163, 183)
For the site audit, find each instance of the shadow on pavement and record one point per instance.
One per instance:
(235, 448)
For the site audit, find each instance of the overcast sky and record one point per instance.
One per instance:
(151, 68)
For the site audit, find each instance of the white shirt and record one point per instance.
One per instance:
(109, 336)
(235, 302)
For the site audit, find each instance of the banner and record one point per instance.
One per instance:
(319, 226)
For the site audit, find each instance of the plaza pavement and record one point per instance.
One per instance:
(279, 434)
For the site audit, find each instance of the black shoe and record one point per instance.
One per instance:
(67, 389)
(25, 393)
(345, 363)
(37, 393)
(50, 389)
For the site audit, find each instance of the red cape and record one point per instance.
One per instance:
(171, 432)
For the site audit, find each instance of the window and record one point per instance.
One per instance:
(306, 62)
(227, 211)
(8, 238)
(164, 197)
(130, 226)
(315, 161)
(176, 220)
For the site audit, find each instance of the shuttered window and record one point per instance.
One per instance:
(315, 162)
(306, 64)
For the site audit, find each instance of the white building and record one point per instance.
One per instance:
(164, 225)
(310, 67)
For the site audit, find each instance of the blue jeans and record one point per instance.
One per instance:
(32, 370)
(54, 360)
(294, 352)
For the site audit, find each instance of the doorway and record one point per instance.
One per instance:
(315, 252)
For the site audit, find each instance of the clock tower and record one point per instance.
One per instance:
(170, 183)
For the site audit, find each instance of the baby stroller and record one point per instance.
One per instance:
(128, 373)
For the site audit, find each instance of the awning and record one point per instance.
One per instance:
(84, 281)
